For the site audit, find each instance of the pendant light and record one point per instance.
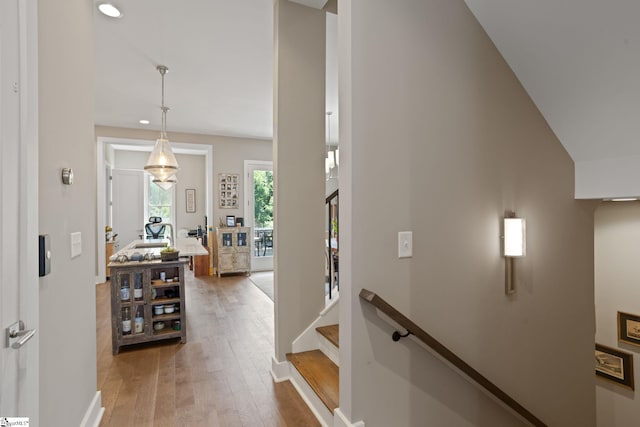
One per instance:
(165, 184)
(162, 163)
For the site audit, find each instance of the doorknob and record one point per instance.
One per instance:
(17, 335)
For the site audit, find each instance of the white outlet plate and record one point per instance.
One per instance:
(405, 244)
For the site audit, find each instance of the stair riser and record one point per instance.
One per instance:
(324, 416)
(329, 350)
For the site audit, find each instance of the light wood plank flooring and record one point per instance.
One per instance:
(220, 377)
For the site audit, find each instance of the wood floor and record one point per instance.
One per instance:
(220, 377)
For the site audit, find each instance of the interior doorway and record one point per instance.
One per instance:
(258, 193)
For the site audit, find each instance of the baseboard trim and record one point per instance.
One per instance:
(341, 420)
(94, 413)
(280, 370)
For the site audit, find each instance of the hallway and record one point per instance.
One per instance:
(220, 377)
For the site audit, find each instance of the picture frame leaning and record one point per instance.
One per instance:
(629, 328)
(614, 365)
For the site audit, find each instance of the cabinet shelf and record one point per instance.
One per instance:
(163, 317)
(168, 333)
(163, 301)
(164, 285)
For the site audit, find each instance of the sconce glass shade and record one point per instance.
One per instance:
(332, 160)
(337, 156)
(162, 163)
(514, 237)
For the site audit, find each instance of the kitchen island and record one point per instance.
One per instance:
(147, 301)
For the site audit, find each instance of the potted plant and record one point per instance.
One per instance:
(169, 254)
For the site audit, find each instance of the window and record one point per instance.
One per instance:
(159, 202)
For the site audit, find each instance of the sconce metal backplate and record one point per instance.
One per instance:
(67, 176)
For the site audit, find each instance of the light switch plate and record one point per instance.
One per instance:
(405, 244)
(76, 244)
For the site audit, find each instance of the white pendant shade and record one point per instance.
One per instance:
(162, 163)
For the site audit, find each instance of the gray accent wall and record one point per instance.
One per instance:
(298, 166)
(67, 296)
(438, 137)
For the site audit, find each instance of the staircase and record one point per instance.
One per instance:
(316, 374)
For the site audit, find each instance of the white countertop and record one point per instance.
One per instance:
(188, 246)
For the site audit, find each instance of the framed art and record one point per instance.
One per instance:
(231, 221)
(190, 200)
(629, 328)
(614, 365)
(228, 186)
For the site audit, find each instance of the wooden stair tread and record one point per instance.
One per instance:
(330, 332)
(320, 373)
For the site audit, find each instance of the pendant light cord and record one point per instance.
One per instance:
(163, 70)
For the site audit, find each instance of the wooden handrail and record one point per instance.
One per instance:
(331, 196)
(413, 329)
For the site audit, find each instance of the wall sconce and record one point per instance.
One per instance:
(514, 246)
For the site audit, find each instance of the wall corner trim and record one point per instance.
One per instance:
(341, 420)
(279, 370)
(94, 413)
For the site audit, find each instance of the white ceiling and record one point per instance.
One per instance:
(220, 59)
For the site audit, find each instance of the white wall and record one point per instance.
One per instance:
(192, 174)
(67, 296)
(617, 244)
(608, 178)
(467, 144)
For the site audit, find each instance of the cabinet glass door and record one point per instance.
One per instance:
(242, 239)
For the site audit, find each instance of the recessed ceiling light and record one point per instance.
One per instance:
(144, 122)
(109, 10)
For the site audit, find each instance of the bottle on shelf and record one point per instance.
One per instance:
(139, 320)
(126, 321)
(124, 288)
(137, 287)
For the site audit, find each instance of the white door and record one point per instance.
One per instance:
(128, 205)
(19, 208)
(258, 212)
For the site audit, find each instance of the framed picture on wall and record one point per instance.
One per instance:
(190, 198)
(629, 328)
(228, 193)
(614, 365)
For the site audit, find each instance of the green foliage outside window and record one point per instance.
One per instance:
(263, 198)
(160, 202)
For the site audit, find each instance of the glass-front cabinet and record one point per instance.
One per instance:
(233, 250)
